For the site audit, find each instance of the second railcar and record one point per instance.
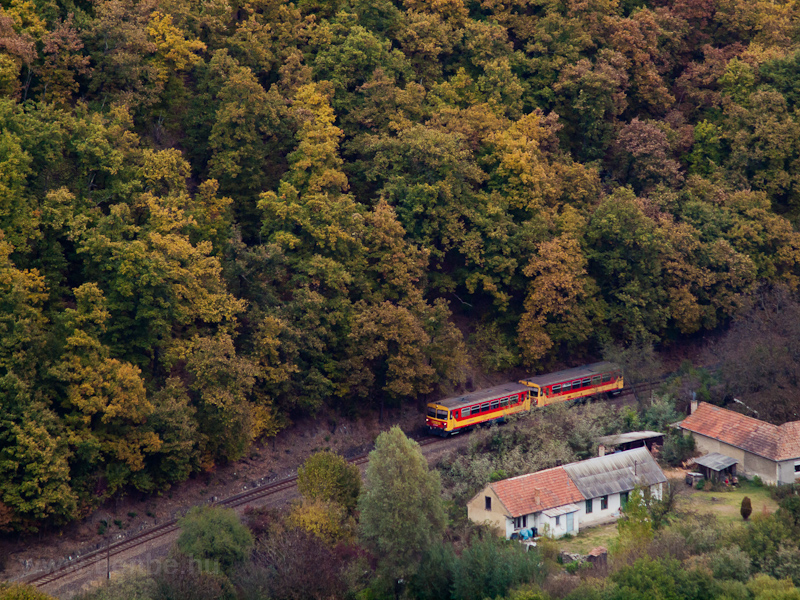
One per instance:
(571, 384)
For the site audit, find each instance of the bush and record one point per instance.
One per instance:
(490, 567)
(18, 591)
(747, 508)
(757, 482)
(677, 449)
(329, 477)
(215, 534)
(730, 563)
(764, 587)
(700, 484)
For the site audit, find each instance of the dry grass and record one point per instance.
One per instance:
(591, 537)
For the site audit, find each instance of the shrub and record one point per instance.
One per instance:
(490, 567)
(213, 533)
(731, 563)
(18, 591)
(747, 508)
(329, 477)
(757, 482)
(701, 484)
(677, 449)
(764, 587)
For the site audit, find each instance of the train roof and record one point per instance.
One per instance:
(574, 373)
(498, 391)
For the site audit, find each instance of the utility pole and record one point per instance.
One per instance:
(108, 557)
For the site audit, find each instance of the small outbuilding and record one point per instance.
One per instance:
(717, 467)
(620, 442)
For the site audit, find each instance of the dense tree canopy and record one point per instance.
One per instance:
(217, 218)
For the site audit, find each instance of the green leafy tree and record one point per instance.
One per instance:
(329, 477)
(490, 567)
(401, 509)
(215, 534)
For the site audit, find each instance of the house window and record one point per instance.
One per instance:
(623, 499)
(488, 502)
(588, 506)
(558, 521)
(603, 502)
(797, 467)
(521, 522)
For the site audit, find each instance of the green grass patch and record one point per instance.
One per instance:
(726, 505)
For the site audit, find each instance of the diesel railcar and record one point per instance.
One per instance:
(460, 413)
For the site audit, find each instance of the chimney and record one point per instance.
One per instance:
(693, 403)
(601, 450)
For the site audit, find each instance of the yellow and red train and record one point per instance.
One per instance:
(459, 413)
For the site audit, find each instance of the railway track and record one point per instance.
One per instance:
(101, 558)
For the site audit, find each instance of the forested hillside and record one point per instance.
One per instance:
(219, 215)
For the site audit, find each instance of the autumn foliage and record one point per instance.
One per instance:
(215, 219)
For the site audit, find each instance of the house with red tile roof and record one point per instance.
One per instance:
(770, 451)
(559, 500)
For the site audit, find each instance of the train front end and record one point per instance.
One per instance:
(438, 420)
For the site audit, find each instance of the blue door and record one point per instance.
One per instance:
(570, 522)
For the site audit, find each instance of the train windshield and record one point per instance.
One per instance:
(431, 412)
(441, 414)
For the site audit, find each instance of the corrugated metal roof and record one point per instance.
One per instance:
(623, 438)
(574, 373)
(498, 391)
(716, 461)
(614, 473)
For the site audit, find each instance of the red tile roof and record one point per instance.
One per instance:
(747, 433)
(535, 492)
(789, 440)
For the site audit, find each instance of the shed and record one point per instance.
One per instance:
(716, 466)
(630, 440)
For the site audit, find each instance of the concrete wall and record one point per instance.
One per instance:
(786, 472)
(497, 517)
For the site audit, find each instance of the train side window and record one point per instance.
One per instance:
(556, 389)
(464, 412)
(485, 407)
(495, 404)
(565, 387)
(503, 402)
(606, 377)
(596, 380)
(586, 382)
